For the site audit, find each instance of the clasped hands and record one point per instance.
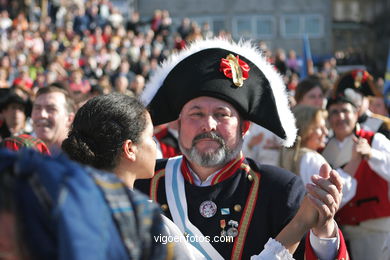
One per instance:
(317, 210)
(321, 203)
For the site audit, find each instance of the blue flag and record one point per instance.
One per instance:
(306, 62)
(386, 89)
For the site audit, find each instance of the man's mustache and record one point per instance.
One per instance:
(209, 135)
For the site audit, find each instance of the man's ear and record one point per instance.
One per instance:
(129, 150)
(245, 127)
(70, 118)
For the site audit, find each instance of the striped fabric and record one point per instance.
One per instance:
(75, 212)
(15, 143)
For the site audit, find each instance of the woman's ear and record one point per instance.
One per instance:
(245, 127)
(129, 150)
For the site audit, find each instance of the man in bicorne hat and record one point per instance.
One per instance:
(358, 85)
(226, 205)
(365, 154)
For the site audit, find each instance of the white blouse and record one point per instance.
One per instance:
(310, 165)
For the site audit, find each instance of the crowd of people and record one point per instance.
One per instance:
(72, 81)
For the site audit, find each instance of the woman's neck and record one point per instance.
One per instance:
(125, 175)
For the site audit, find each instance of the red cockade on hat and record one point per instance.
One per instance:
(360, 76)
(235, 69)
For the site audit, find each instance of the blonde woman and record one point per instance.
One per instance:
(303, 158)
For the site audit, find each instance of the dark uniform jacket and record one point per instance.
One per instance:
(261, 198)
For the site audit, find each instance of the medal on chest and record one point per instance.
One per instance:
(207, 209)
(233, 230)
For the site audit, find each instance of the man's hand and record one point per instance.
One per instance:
(317, 210)
(363, 148)
(325, 195)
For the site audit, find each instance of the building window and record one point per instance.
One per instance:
(260, 27)
(339, 10)
(243, 27)
(218, 25)
(292, 26)
(265, 27)
(295, 26)
(312, 26)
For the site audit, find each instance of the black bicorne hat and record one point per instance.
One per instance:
(339, 99)
(235, 73)
(358, 80)
(10, 98)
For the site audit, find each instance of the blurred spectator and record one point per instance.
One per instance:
(377, 106)
(329, 70)
(14, 110)
(280, 62)
(185, 28)
(206, 30)
(81, 21)
(123, 70)
(366, 156)
(293, 62)
(4, 78)
(358, 85)
(105, 84)
(23, 79)
(20, 22)
(40, 81)
(310, 92)
(179, 43)
(5, 21)
(115, 19)
(77, 84)
(156, 20)
(293, 82)
(52, 114)
(165, 27)
(134, 24)
(380, 83)
(121, 85)
(266, 51)
(137, 85)
(195, 34)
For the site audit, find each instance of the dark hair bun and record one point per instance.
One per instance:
(81, 151)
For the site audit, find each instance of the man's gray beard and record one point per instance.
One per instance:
(221, 157)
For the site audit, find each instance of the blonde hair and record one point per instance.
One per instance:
(305, 116)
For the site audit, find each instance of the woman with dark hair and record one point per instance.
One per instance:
(114, 133)
(310, 92)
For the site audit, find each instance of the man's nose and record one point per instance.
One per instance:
(42, 113)
(342, 115)
(209, 124)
